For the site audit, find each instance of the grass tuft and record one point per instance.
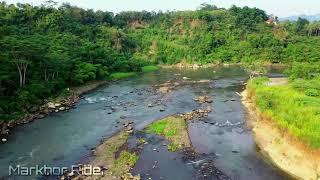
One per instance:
(150, 68)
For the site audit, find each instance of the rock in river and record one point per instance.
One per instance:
(57, 104)
(51, 105)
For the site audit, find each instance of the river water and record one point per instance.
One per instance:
(64, 138)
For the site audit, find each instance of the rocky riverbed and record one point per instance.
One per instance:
(206, 99)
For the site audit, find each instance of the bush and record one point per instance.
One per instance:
(84, 72)
(312, 92)
(304, 70)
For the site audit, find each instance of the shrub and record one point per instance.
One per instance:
(304, 70)
(312, 92)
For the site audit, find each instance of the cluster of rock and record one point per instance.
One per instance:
(77, 173)
(171, 85)
(129, 176)
(56, 107)
(209, 170)
(203, 99)
(128, 127)
(166, 87)
(196, 114)
(184, 65)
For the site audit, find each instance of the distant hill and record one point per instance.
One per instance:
(315, 17)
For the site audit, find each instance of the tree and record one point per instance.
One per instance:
(208, 7)
(248, 18)
(301, 25)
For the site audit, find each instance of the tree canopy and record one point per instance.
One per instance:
(45, 49)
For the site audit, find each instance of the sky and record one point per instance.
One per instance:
(281, 8)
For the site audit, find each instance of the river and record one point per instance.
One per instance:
(65, 138)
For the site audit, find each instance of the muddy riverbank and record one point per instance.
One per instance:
(282, 150)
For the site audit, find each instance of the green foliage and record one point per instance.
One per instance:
(301, 25)
(290, 108)
(304, 70)
(46, 49)
(149, 68)
(312, 92)
(247, 17)
(303, 85)
(122, 75)
(84, 72)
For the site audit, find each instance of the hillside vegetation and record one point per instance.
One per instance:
(45, 49)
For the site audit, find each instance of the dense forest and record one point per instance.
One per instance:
(46, 49)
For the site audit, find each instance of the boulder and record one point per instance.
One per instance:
(62, 108)
(4, 140)
(51, 105)
(71, 174)
(195, 66)
(126, 124)
(129, 131)
(41, 116)
(164, 89)
(129, 128)
(57, 104)
(204, 99)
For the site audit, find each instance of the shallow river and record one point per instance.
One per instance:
(65, 138)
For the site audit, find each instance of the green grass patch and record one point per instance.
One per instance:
(290, 107)
(122, 75)
(111, 146)
(172, 128)
(106, 155)
(123, 164)
(150, 68)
